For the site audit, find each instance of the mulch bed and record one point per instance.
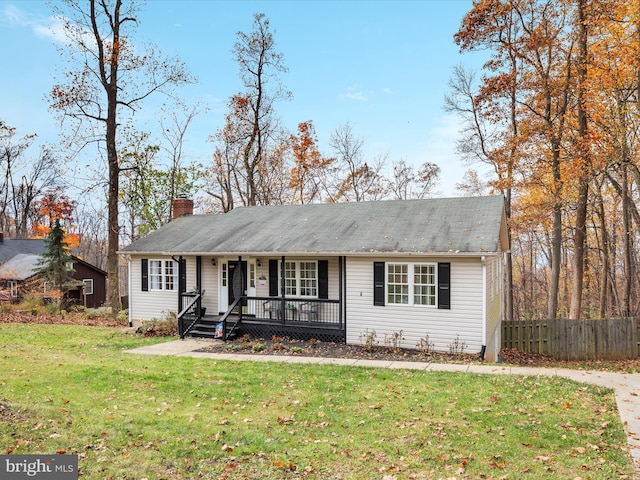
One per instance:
(314, 348)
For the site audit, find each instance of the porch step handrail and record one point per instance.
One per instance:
(194, 300)
(223, 319)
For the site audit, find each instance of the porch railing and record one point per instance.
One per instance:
(191, 312)
(285, 311)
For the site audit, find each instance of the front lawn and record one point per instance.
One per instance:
(72, 389)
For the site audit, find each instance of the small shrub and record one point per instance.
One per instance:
(123, 316)
(394, 341)
(233, 347)
(457, 347)
(278, 347)
(425, 345)
(368, 339)
(296, 350)
(313, 343)
(167, 326)
(258, 347)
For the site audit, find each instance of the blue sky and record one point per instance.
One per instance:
(381, 66)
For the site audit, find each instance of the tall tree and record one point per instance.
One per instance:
(358, 179)
(260, 64)
(110, 78)
(55, 263)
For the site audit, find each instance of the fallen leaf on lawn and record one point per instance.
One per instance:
(64, 400)
(542, 458)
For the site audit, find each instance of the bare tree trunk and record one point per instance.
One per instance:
(580, 233)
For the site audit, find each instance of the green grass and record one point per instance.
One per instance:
(74, 390)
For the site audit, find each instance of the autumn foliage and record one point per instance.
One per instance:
(556, 112)
(54, 208)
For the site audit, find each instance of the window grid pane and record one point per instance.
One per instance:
(424, 288)
(398, 284)
(155, 274)
(169, 279)
(291, 286)
(308, 279)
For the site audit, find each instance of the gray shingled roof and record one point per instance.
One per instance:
(443, 225)
(20, 267)
(10, 247)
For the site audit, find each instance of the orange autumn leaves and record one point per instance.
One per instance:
(54, 208)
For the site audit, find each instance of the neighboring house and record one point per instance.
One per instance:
(431, 269)
(19, 270)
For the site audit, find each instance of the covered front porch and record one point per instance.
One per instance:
(309, 313)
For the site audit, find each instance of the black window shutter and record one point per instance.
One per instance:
(378, 283)
(182, 275)
(323, 279)
(444, 284)
(273, 278)
(145, 274)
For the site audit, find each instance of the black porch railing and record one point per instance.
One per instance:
(191, 312)
(293, 311)
(267, 316)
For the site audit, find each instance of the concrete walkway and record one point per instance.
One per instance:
(625, 386)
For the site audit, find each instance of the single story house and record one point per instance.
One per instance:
(19, 269)
(428, 273)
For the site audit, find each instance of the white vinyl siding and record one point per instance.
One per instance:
(443, 326)
(494, 305)
(155, 304)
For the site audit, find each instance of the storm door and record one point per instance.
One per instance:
(237, 282)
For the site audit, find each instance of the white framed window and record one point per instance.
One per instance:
(252, 275)
(308, 279)
(13, 288)
(398, 284)
(411, 284)
(88, 286)
(224, 274)
(424, 284)
(301, 279)
(162, 275)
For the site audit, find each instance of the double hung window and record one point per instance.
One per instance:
(301, 279)
(162, 275)
(411, 284)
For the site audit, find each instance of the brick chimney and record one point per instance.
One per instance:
(182, 206)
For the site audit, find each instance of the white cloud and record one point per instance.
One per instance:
(355, 93)
(44, 27)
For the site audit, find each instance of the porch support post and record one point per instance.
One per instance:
(282, 286)
(199, 283)
(340, 286)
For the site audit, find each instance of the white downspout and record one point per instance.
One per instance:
(484, 306)
(129, 292)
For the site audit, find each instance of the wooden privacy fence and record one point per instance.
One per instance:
(565, 339)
